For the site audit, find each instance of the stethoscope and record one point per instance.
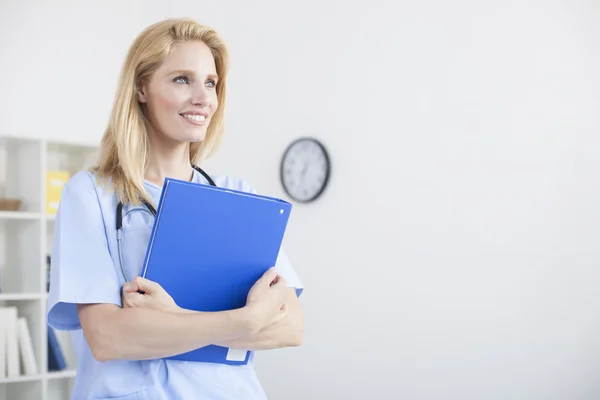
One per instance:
(151, 208)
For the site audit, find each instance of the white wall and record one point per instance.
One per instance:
(455, 254)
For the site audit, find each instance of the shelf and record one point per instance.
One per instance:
(21, 296)
(21, 378)
(31, 378)
(61, 374)
(20, 215)
(26, 240)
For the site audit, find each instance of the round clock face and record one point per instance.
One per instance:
(305, 170)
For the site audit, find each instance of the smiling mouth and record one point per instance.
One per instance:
(199, 119)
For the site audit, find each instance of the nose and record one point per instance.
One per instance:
(200, 96)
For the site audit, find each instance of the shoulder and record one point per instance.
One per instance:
(85, 187)
(230, 182)
(81, 183)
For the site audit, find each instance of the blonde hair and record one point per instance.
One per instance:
(124, 145)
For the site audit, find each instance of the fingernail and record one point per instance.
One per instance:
(126, 286)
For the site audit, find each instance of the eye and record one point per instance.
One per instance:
(181, 79)
(211, 83)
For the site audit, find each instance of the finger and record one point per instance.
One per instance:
(268, 277)
(132, 299)
(275, 280)
(131, 287)
(281, 282)
(145, 285)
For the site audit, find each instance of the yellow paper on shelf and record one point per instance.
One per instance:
(55, 181)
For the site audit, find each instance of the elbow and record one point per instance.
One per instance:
(296, 339)
(102, 353)
(102, 350)
(102, 344)
(101, 330)
(294, 323)
(299, 339)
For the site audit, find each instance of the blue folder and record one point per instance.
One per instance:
(208, 246)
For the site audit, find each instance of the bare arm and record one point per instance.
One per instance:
(142, 333)
(287, 332)
(150, 325)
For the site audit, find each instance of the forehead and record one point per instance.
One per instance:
(194, 56)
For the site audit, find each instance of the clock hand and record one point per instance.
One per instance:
(303, 172)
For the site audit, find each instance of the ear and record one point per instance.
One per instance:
(141, 94)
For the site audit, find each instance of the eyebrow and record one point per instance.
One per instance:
(189, 72)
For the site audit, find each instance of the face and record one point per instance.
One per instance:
(181, 96)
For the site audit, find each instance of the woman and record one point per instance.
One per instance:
(167, 117)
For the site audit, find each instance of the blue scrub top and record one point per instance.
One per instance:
(86, 269)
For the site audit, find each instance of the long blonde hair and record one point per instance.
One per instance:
(124, 145)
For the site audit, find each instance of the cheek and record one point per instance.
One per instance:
(214, 104)
(165, 103)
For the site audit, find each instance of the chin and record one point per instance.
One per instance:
(197, 139)
(193, 137)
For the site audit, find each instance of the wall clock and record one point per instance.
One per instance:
(305, 169)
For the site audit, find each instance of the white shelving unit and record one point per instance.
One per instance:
(25, 241)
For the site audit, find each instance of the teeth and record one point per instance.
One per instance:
(193, 117)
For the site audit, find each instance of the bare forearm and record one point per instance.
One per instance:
(287, 333)
(139, 333)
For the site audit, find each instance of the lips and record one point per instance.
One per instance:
(199, 118)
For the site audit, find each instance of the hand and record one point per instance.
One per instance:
(152, 296)
(266, 299)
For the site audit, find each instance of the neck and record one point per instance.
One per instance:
(168, 160)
